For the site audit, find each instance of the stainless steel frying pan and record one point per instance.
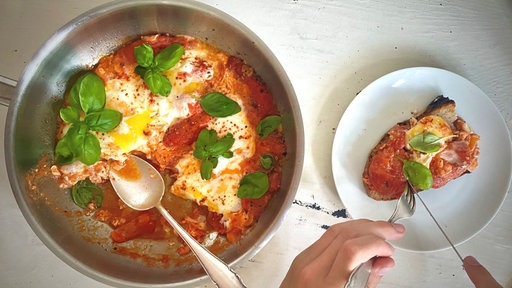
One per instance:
(31, 122)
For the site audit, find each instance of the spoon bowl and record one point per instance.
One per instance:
(138, 184)
(141, 187)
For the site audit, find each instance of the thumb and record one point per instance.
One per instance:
(478, 274)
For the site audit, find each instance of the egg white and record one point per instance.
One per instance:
(146, 118)
(220, 192)
(435, 125)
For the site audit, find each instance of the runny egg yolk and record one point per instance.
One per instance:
(433, 124)
(136, 126)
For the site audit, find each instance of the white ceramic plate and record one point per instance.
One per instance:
(464, 206)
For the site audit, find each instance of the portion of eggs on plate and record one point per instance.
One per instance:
(168, 91)
(428, 150)
(431, 124)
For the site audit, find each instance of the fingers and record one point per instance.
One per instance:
(478, 274)
(381, 265)
(366, 239)
(329, 261)
(356, 228)
(353, 252)
(353, 229)
(358, 250)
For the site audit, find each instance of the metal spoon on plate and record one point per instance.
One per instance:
(141, 187)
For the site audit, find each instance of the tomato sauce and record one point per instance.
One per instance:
(385, 167)
(383, 174)
(231, 75)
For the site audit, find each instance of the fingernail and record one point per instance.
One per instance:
(470, 260)
(399, 228)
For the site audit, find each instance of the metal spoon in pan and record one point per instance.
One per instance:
(141, 187)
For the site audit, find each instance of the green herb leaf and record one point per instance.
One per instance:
(144, 55)
(227, 154)
(266, 161)
(267, 125)
(90, 149)
(219, 105)
(70, 114)
(169, 57)
(200, 153)
(103, 121)
(426, 142)
(83, 145)
(253, 185)
(206, 169)
(67, 150)
(157, 83)
(214, 160)
(64, 152)
(208, 149)
(87, 95)
(221, 146)
(417, 174)
(85, 192)
(149, 67)
(205, 139)
(74, 94)
(91, 92)
(78, 144)
(141, 71)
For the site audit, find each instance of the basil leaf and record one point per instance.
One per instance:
(214, 160)
(207, 137)
(87, 94)
(103, 121)
(169, 57)
(64, 153)
(227, 154)
(74, 94)
(79, 129)
(67, 150)
(266, 161)
(221, 146)
(204, 139)
(157, 83)
(417, 174)
(90, 150)
(426, 142)
(144, 55)
(208, 149)
(219, 105)
(200, 152)
(91, 92)
(267, 125)
(70, 114)
(85, 192)
(141, 71)
(78, 144)
(253, 185)
(74, 130)
(206, 169)
(149, 67)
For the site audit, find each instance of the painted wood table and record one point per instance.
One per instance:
(331, 50)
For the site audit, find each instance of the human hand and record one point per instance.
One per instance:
(478, 274)
(329, 261)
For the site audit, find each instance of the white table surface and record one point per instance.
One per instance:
(330, 50)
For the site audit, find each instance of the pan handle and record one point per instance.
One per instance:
(7, 87)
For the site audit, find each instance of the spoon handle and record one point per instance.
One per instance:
(219, 272)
